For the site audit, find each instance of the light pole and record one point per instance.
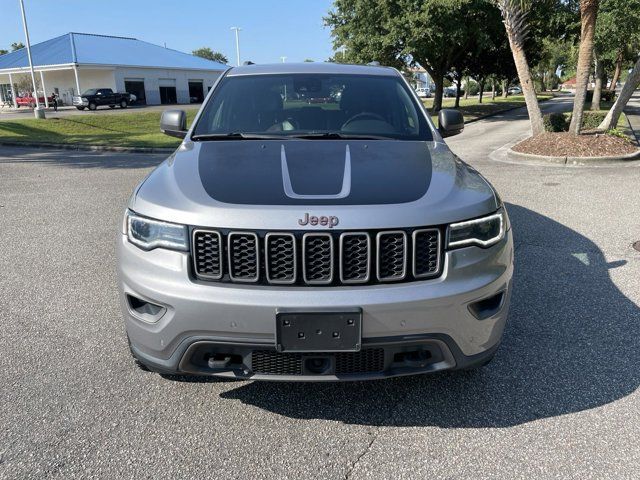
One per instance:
(283, 59)
(237, 30)
(38, 112)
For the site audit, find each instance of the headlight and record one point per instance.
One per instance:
(484, 232)
(148, 234)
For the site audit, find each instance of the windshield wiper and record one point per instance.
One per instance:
(340, 136)
(235, 136)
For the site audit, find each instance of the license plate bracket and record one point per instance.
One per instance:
(319, 330)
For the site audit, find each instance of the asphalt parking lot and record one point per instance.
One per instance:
(560, 400)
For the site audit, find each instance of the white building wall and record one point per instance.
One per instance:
(152, 78)
(65, 82)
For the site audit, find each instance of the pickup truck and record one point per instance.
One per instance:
(95, 97)
(30, 101)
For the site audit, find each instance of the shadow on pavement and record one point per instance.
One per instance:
(80, 158)
(572, 343)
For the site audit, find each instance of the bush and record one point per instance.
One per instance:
(559, 122)
(555, 122)
(473, 86)
(591, 120)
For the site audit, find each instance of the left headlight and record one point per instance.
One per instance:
(483, 232)
(148, 234)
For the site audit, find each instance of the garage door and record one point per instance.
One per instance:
(168, 92)
(136, 87)
(196, 91)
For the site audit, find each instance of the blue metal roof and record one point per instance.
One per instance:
(90, 49)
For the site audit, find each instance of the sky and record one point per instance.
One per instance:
(270, 28)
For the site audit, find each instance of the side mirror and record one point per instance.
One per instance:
(174, 123)
(450, 122)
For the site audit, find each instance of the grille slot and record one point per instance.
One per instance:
(280, 258)
(317, 263)
(392, 255)
(207, 259)
(426, 253)
(355, 253)
(243, 257)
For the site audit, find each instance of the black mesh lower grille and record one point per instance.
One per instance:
(368, 360)
(270, 362)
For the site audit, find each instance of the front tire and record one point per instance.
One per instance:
(92, 106)
(123, 104)
(80, 108)
(112, 106)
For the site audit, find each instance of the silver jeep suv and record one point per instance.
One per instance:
(313, 225)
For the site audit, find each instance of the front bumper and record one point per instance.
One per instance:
(79, 102)
(224, 329)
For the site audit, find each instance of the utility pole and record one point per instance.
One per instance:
(283, 59)
(38, 112)
(237, 30)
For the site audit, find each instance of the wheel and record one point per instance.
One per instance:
(92, 106)
(123, 104)
(80, 108)
(112, 106)
(18, 105)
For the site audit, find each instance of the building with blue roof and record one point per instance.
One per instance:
(75, 62)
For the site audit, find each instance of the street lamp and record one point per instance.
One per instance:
(283, 59)
(38, 112)
(237, 30)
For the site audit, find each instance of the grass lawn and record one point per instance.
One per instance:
(473, 110)
(135, 129)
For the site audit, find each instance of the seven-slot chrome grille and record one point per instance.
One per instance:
(316, 258)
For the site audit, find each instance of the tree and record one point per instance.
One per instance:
(514, 16)
(3, 51)
(206, 52)
(633, 80)
(400, 32)
(16, 46)
(308, 60)
(588, 16)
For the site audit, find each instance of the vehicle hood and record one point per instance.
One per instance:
(270, 184)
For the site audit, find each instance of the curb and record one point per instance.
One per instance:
(531, 158)
(93, 148)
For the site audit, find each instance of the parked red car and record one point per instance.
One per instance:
(30, 101)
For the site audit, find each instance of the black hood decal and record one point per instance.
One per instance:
(251, 172)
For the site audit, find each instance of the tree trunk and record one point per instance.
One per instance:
(503, 85)
(597, 89)
(514, 22)
(481, 92)
(611, 120)
(493, 89)
(458, 90)
(437, 96)
(588, 15)
(617, 72)
(466, 87)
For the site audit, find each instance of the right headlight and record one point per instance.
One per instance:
(148, 233)
(483, 232)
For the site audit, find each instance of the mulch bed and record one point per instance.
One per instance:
(567, 145)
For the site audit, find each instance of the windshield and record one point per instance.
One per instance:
(91, 91)
(299, 105)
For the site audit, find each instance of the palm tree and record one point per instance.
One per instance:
(588, 15)
(633, 80)
(514, 15)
